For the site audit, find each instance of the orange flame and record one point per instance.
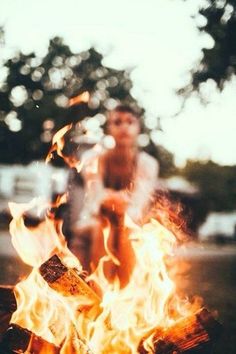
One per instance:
(126, 314)
(58, 143)
(83, 97)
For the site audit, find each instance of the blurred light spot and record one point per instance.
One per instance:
(37, 95)
(101, 118)
(110, 103)
(48, 124)
(15, 125)
(102, 84)
(100, 72)
(13, 122)
(109, 142)
(112, 81)
(220, 3)
(37, 74)
(85, 55)
(227, 14)
(94, 102)
(18, 95)
(92, 124)
(201, 21)
(73, 61)
(46, 136)
(11, 115)
(3, 73)
(25, 69)
(57, 61)
(143, 140)
(16, 58)
(62, 101)
(56, 77)
(101, 94)
(128, 85)
(68, 73)
(34, 62)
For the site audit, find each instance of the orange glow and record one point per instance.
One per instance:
(83, 97)
(64, 312)
(126, 314)
(58, 143)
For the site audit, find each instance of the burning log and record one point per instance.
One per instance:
(191, 335)
(7, 306)
(19, 340)
(7, 299)
(68, 282)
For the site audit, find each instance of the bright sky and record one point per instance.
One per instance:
(160, 39)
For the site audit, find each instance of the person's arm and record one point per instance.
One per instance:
(144, 186)
(93, 189)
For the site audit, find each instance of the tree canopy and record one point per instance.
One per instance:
(219, 62)
(35, 94)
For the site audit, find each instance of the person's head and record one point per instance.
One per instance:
(124, 125)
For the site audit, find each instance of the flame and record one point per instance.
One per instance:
(36, 244)
(127, 314)
(58, 143)
(83, 97)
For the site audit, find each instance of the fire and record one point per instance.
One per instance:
(58, 143)
(124, 315)
(83, 97)
(35, 245)
(58, 304)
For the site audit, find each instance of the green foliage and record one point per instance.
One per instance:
(218, 63)
(217, 184)
(34, 97)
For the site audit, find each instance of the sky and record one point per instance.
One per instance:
(160, 41)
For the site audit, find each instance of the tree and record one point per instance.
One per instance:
(217, 184)
(218, 63)
(35, 93)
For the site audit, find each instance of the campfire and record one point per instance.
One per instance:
(58, 308)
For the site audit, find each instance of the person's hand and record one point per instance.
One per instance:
(114, 205)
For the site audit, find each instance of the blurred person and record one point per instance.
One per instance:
(118, 181)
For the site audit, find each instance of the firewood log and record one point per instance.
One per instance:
(190, 335)
(19, 340)
(7, 307)
(7, 299)
(68, 282)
